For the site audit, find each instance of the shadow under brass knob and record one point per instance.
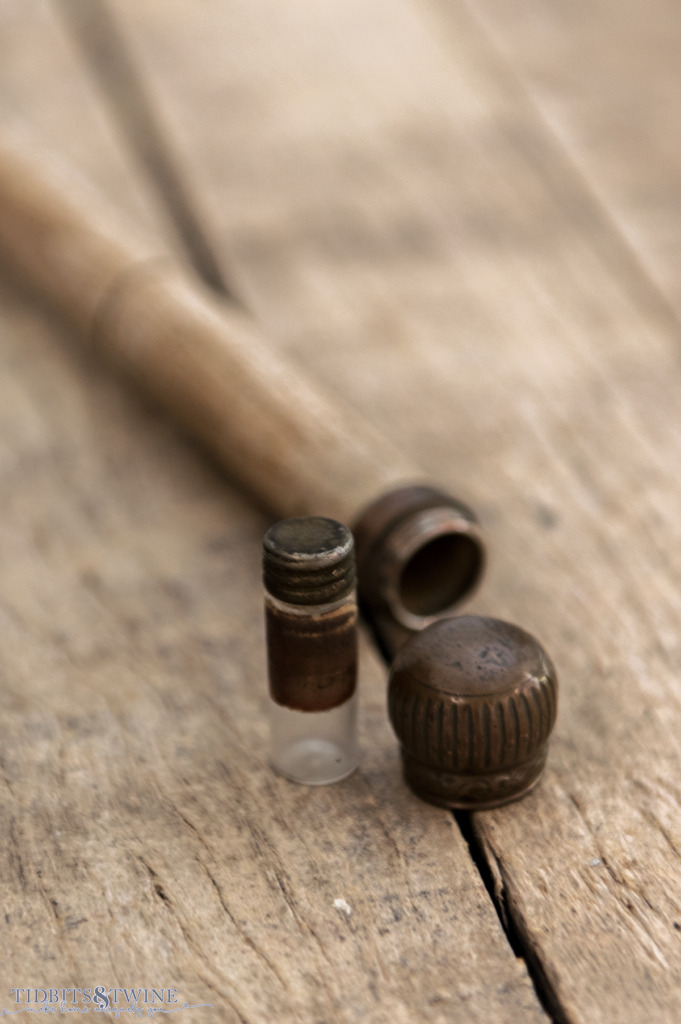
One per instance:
(472, 701)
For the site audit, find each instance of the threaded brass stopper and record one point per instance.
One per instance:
(308, 561)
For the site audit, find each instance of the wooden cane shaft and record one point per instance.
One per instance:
(57, 235)
(298, 450)
(290, 444)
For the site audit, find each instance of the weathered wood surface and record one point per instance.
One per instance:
(45, 95)
(145, 842)
(395, 211)
(607, 84)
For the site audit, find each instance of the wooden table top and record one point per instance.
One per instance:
(464, 221)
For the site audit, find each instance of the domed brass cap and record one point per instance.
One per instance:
(472, 701)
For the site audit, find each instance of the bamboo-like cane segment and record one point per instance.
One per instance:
(290, 444)
(281, 437)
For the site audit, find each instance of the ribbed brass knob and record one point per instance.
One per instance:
(472, 701)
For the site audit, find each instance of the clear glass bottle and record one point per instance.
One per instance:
(311, 622)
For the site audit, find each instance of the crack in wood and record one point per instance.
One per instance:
(240, 931)
(189, 939)
(156, 884)
(491, 870)
(113, 66)
(263, 843)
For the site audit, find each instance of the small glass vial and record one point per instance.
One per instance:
(311, 622)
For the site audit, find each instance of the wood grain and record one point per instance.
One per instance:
(383, 182)
(144, 839)
(54, 105)
(608, 89)
(122, 84)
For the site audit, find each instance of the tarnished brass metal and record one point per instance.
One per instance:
(472, 701)
(311, 613)
(419, 554)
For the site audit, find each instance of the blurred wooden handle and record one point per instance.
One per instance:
(286, 441)
(292, 446)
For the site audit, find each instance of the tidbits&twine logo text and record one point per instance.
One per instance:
(139, 1002)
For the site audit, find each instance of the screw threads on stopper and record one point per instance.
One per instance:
(309, 561)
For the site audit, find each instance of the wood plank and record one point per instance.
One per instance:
(45, 94)
(160, 850)
(608, 88)
(122, 84)
(144, 840)
(382, 184)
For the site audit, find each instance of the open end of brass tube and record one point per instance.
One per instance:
(439, 575)
(420, 554)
